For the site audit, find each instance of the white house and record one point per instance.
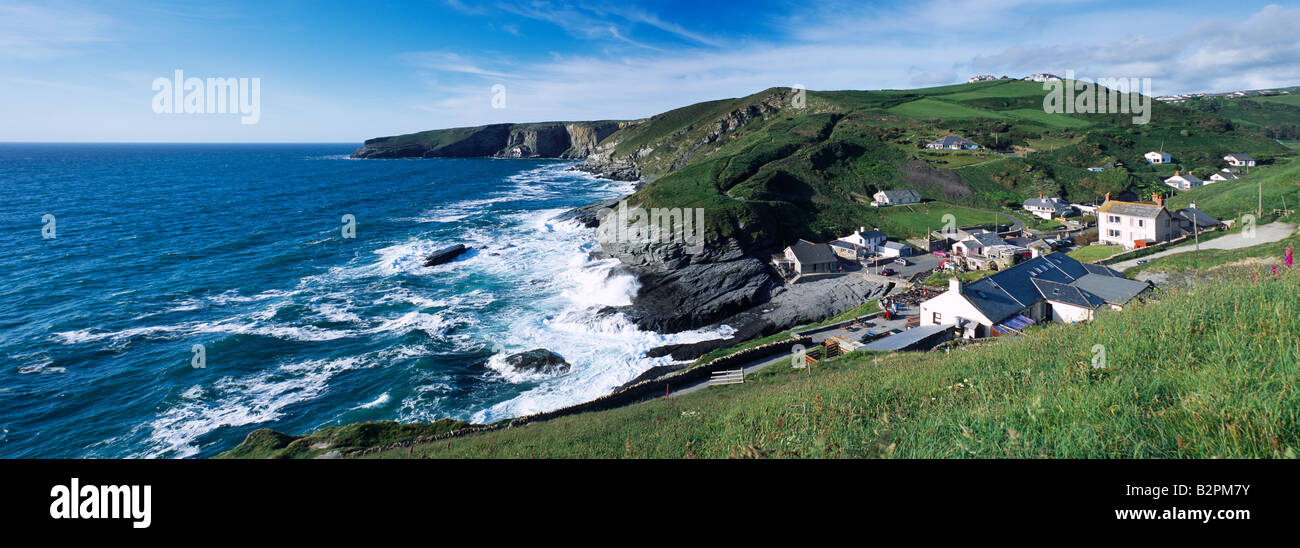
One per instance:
(1184, 182)
(1158, 158)
(1239, 160)
(869, 239)
(1047, 208)
(895, 197)
(952, 142)
(1052, 287)
(1223, 176)
(1131, 224)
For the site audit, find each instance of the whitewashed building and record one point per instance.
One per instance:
(1132, 224)
(1158, 158)
(1184, 181)
(1047, 208)
(1239, 160)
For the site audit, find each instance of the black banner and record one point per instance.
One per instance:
(1090, 497)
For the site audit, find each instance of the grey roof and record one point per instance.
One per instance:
(1115, 290)
(950, 140)
(1052, 202)
(1006, 293)
(1148, 211)
(810, 253)
(1200, 218)
(873, 234)
(908, 339)
(902, 194)
(897, 245)
(987, 239)
(1240, 157)
(1068, 294)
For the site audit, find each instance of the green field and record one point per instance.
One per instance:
(1049, 119)
(1094, 253)
(1180, 381)
(935, 108)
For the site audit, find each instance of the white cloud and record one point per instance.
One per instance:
(851, 47)
(31, 31)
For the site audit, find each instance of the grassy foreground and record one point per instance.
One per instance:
(1203, 372)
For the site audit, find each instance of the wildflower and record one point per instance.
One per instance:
(1288, 256)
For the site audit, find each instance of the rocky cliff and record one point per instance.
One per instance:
(538, 140)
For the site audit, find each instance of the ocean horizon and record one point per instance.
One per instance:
(240, 249)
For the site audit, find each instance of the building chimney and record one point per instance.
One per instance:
(954, 284)
(862, 230)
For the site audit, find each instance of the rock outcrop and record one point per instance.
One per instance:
(538, 360)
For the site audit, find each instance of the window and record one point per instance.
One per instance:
(1113, 219)
(1142, 222)
(937, 317)
(1112, 233)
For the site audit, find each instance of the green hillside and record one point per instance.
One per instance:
(785, 173)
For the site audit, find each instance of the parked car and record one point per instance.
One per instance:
(901, 261)
(940, 254)
(1143, 261)
(888, 272)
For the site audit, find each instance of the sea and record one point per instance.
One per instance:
(164, 300)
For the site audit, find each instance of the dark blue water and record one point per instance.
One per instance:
(238, 248)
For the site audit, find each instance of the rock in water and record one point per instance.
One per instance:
(445, 254)
(538, 360)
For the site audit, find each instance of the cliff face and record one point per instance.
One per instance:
(539, 140)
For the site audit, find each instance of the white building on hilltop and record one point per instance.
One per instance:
(1158, 157)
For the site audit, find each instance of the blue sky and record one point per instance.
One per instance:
(346, 71)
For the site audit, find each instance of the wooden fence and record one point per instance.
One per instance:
(732, 376)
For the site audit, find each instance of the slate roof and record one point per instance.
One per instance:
(897, 245)
(809, 253)
(1147, 211)
(951, 140)
(987, 239)
(1052, 202)
(901, 195)
(1068, 294)
(1006, 293)
(1115, 290)
(1240, 157)
(1200, 218)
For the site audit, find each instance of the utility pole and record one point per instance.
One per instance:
(1259, 211)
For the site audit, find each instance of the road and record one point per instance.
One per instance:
(1268, 233)
(879, 324)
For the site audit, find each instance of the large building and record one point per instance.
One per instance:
(952, 142)
(1132, 224)
(810, 258)
(1052, 287)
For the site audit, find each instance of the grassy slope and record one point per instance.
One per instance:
(1202, 373)
(1232, 199)
(796, 173)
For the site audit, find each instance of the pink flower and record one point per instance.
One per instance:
(1288, 258)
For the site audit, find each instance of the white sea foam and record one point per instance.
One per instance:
(381, 401)
(238, 401)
